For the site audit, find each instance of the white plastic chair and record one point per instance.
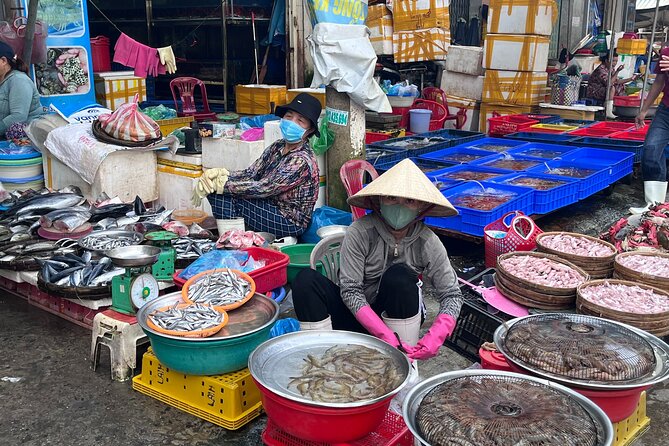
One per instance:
(327, 253)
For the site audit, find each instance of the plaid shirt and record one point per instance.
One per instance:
(290, 181)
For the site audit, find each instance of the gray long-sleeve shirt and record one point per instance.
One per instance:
(369, 249)
(19, 100)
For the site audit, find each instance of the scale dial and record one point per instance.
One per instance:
(143, 289)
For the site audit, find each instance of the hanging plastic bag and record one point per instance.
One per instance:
(321, 144)
(14, 34)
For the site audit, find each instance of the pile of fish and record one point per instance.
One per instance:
(512, 164)
(31, 251)
(645, 264)
(188, 248)
(579, 246)
(344, 374)
(104, 241)
(626, 298)
(188, 318)
(182, 230)
(542, 271)
(535, 183)
(482, 200)
(66, 220)
(238, 239)
(490, 411)
(219, 289)
(72, 270)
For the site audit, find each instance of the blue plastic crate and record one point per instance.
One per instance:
(620, 164)
(488, 162)
(546, 201)
(435, 143)
(452, 172)
(596, 181)
(485, 143)
(457, 155)
(623, 145)
(541, 150)
(376, 155)
(548, 138)
(456, 137)
(427, 166)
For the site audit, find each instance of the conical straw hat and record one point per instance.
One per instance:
(405, 180)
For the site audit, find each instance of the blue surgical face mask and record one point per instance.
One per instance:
(398, 216)
(291, 132)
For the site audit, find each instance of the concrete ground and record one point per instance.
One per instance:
(60, 401)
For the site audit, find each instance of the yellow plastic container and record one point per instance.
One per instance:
(632, 46)
(259, 99)
(229, 401)
(557, 128)
(167, 126)
(318, 93)
(628, 430)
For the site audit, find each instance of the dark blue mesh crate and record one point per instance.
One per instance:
(414, 145)
(427, 166)
(593, 182)
(375, 155)
(456, 137)
(548, 200)
(549, 138)
(635, 147)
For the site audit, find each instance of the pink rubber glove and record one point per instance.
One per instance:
(429, 345)
(375, 326)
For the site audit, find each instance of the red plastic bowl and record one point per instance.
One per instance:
(320, 424)
(494, 361)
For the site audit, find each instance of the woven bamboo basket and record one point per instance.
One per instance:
(596, 267)
(74, 292)
(623, 273)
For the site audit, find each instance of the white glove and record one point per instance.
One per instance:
(213, 180)
(167, 58)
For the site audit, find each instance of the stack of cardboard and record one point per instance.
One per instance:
(462, 81)
(380, 24)
(515, 56)
(421, 30)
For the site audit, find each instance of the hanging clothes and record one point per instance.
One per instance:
(474, 32)
(142, 58)
(460, 35)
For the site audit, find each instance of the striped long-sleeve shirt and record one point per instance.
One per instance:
(290, 181)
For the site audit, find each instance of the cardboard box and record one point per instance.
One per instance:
(380, 24)
(515, 53)
(318, 93)
(490, 110)
(469, 107)
(259, 99)
(412, 15)
(115, 88)
(515, 87)
(462, 85)
(522, 17)
(465, 60)
(423, 44)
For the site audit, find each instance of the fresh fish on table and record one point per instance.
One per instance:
(73, 270)
(71, 190)
(218, 289)
(46, 221)
(177, 227)
(43, 204)
(159, 218)
(71, 222)
(192, 248)
(104, 242)
(190, 318)
(110, 211)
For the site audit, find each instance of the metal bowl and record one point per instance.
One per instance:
(417, 393)
(135, 237)
(327, 231)
(135, 255)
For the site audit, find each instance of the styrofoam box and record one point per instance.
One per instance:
(465, 60)
(124, 174)
(272, 132)
(233, 154)
(515, 53)
(472, 113)
(176, 191)
(462, 85)
(194, 159)
(526, 17)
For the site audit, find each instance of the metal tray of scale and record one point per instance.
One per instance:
(559, 339)
(133, 256)
(131, 237)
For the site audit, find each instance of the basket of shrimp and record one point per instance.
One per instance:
(594, 256)
(189, 320)
(224, 289)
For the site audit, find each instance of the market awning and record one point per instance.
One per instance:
(642, 5)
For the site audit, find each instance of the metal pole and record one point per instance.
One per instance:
(224, 29)
(614, 12)
(30, 32)
(650, 55)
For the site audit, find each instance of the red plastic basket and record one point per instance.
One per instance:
(504, 125)
(589, 131)
(632, 135)
(271, 276)
(511, 224)
(391, 432)
(615, 126)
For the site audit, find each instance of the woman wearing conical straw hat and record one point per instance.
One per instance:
(382, 256)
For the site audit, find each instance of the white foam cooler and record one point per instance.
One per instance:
(233, 154)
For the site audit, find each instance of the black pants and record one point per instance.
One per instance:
(315, 297)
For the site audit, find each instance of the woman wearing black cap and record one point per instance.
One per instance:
(19, 99)
(277, 193)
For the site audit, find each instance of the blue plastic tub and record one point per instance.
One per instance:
(548, 138)
(468, 172)
(541, 150)
(635, 147)
(523, 163)
(620, 164)
(427, 166)
(595, 181)
(457, 155)
(548, 200)
(377, 155)
(456, 137)
(493, 145)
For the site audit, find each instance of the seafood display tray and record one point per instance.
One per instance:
(427, 166)
(504, 157)
(456, 155)
(480, 144)
(449, 173)
(439, 143)
(588, 185)
(526, 150)
(392, 432)
(622, 145)
(230, 400)
(619, 164)
(548, 138)
(546, 201)
(386, 154)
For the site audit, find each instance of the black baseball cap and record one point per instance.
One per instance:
(6, 51)
(304, 104)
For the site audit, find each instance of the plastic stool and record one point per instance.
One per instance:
(121, 334)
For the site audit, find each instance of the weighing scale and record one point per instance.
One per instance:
(163, 269)
(131, 290)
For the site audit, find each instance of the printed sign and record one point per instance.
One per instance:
(337, 117)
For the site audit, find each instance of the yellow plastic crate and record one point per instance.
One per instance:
(318, 93)
(632, 46)
(259, 99)
(555, 127)
(167, 126)
(229, 401)
(628, 430)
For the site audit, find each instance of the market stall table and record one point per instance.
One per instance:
(583, 112)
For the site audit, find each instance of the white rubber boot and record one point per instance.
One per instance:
(654, 192)
(325, 324)
(408, 329)
(608, 105)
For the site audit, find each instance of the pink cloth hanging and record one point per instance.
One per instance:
(142, 58)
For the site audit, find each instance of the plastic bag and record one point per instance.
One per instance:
(160, 112)
(284, 326)
(255, 134)
(321, 144)
(217, 259)
(325, 216)
(256, 122)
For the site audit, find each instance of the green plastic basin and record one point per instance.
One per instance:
(300, 259)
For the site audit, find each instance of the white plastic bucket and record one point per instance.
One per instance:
(227, 224)
(419, 120)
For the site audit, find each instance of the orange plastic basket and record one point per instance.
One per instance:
(197, 277)
(188, 334)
